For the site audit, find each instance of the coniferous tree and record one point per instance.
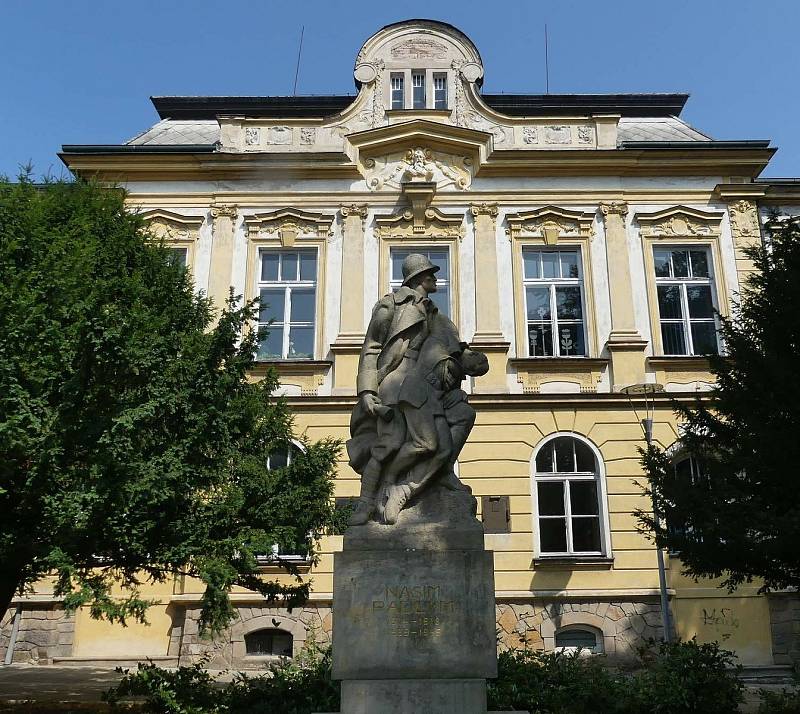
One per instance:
(133, 445)
(739, 517)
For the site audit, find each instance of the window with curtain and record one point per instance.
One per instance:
(553, 286)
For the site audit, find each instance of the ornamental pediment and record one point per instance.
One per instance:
(431, 223)
(288, 224)
(550, 223)
(419, 150)
(679, 221)
(170, 226)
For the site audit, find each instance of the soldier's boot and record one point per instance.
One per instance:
(397, 497)
(365, 506)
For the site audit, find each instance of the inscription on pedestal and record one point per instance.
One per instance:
(437, 621)
(416, 611)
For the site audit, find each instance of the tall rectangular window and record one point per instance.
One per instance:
(685, 292)
(437, 256)
(398, 91)
(553, 284)
(418, 86)
(287, 288)
(440, 90)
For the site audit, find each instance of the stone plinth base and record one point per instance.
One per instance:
(413, 696)
(414, 612)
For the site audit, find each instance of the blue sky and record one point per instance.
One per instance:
(82, 72)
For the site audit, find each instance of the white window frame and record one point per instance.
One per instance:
(552, 284)
(440, 78)
(397, 84)
(396, 282)
(285, 324)
(598, 476)
(418, 82)
(683, 283)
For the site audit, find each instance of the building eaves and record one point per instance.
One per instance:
(138, 149)
(320, 106)
(700, 145)
(627, 105)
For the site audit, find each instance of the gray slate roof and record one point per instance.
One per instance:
(172, 132)
(177, 132)
(657, 129)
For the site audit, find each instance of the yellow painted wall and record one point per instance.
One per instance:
(99, 638)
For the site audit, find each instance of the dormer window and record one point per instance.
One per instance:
(418, 85)
(440, 90)
(398, 93)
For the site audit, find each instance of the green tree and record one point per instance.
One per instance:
(133, 446)
(740, 519)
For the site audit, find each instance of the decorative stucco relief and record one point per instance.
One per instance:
(169, 226)
(744, 221)
(434, 224)
(550, 223)
(281, 135)
(418, 164)
(419, 48)
(679, 221)
(289, 224)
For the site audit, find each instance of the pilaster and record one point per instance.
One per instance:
(219, 279)
(347, 346)
(625, 345)
(746, 233)
(488, 337)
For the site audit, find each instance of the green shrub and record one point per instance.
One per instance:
(302, 685)
(555, 683)
(786, 701)
(675, 678)
(686, 678)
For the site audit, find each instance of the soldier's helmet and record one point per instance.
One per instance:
(416, 264)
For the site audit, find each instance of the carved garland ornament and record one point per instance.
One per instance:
(679, 221)
(288, 224)
(550, 223)
(435, 224)
(172, 226)
(418, 164)
(744, 221)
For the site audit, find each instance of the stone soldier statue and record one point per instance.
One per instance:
(399, 423)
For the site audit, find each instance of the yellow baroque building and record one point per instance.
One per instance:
(584, 242)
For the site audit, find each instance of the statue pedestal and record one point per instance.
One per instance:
(414, 612)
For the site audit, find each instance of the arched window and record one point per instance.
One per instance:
(584, 638)
(283, 455)
(568, 498)
(263, 643)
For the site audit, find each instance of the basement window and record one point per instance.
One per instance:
(270, 642)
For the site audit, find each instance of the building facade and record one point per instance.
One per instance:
(584, 244)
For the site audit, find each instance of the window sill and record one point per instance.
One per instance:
(671, 362)
(308, 374)
(293, 363)
(278, 564)
(533, 372)
(573, 562)
(684, 370)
